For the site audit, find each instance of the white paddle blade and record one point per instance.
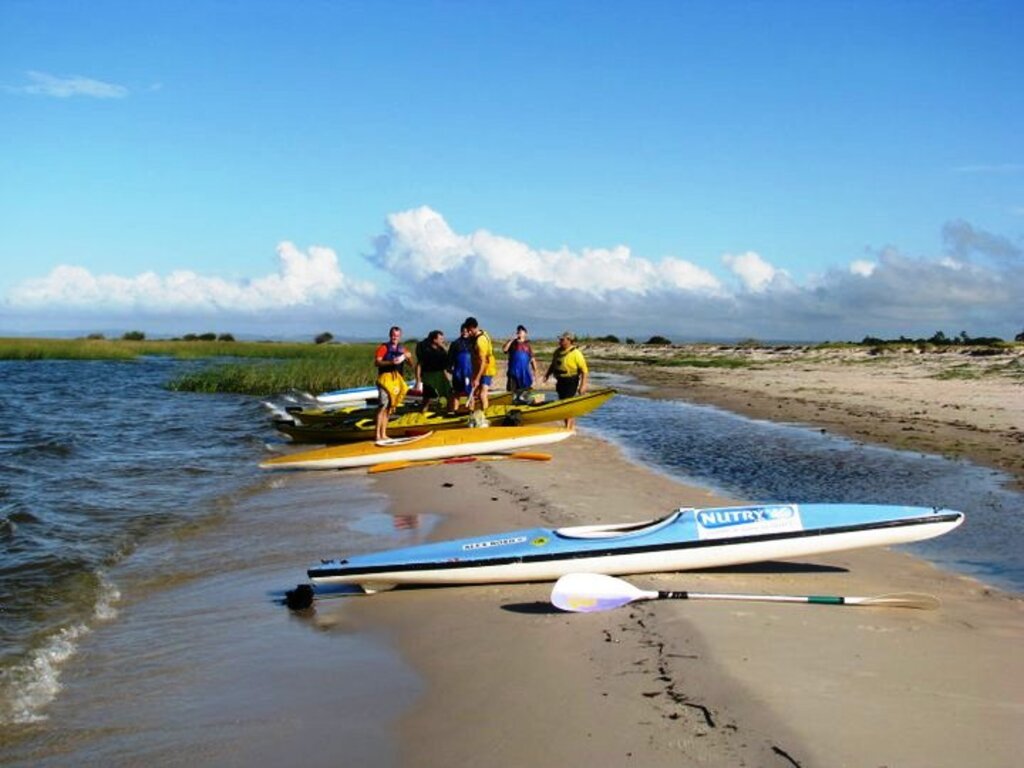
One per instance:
(592, 592)
(899, 600)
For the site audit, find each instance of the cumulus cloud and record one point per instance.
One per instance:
(43, 84)
(437, 276)
(310, 279)
(972, 284)
(862, 267)
(420, 246)
(754, 272)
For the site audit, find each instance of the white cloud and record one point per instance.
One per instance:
(303, 279)
(420, 246)
(755, 273)
(862, 267)
(43, 84)
(611, 290)
(436, 276)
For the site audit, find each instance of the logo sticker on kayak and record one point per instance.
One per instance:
(747, 521)
(494, 543)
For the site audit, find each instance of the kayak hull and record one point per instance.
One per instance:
(687, 539)
(441, 445)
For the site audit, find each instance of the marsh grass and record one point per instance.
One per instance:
(269, 378)
(258, 368)
(120, 349)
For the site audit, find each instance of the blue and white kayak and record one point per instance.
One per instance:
(686, 539)
(350, 396)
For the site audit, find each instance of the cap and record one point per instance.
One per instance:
(567, 335)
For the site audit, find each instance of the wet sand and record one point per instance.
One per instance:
(510, 681)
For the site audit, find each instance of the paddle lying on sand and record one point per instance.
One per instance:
(590, 592)
(389, 466)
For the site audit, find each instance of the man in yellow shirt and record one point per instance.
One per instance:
(569, 367)
(485, 367)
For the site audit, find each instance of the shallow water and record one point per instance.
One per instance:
(144, 557)
(765, 461)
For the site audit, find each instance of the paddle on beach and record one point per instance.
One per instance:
(592, 592)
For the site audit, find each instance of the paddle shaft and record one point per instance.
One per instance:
(390, 466)
(819, 599)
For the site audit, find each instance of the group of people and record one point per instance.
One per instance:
(465, 370)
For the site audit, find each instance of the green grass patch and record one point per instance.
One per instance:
(959, 372)
(256, 368)
(120, 349)
(707, 362)
(269, 378)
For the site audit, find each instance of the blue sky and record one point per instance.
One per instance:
(797, 170)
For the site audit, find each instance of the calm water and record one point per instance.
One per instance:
(760, 460)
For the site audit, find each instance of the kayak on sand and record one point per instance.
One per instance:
(686, 539)
(433, 445)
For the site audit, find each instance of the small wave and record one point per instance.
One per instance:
(28, 687)
(109, 594)
(56, 447)
(36, 682)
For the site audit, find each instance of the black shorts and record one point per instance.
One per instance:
(567, 386)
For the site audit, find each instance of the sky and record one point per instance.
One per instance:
(783, 170)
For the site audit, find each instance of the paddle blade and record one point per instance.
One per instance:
(592, 592)
(899, 600)
(530, 456)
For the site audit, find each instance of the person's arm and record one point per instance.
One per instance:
(584, 374)
(508, 344)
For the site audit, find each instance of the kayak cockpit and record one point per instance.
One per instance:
(621, 530)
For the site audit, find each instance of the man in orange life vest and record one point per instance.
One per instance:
(390, 360)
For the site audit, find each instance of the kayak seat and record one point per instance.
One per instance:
(623, 530)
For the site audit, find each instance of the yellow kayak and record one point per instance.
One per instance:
(433, 445)
(344, 430)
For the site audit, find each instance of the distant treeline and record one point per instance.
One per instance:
(140, 336)
(940, 339)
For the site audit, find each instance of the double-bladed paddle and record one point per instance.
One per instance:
(591, 592)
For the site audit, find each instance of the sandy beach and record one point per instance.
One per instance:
(511, 681)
